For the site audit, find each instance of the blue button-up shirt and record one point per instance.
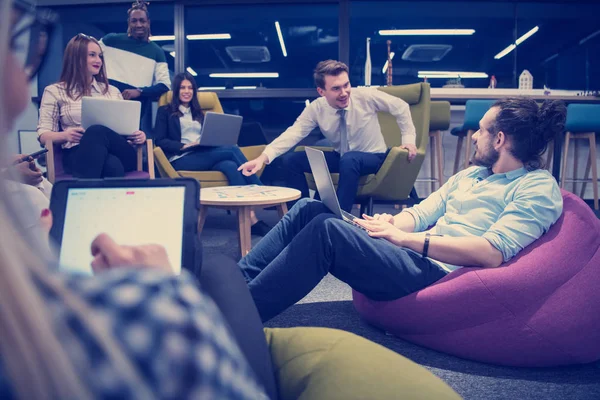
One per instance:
(510, 210)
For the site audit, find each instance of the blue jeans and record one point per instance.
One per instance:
(225, 159)
(351, 166)
(309, 242)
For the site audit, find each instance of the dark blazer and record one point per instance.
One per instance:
(167, 132)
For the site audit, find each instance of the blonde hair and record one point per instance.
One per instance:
(33, 357)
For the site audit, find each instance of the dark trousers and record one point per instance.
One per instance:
(351, 166)
(309, 242)
(221, 279)
(225, 159)
(101, 153)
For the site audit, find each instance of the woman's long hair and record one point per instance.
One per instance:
(74, 73)
(33, 357)
(197, 113)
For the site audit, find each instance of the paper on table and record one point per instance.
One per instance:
(228, 192)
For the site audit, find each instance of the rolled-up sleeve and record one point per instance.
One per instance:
(400, 110)
(305, 123)
(427, 212)
(536, 206)
(49, 112)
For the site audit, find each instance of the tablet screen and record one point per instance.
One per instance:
(131, 216)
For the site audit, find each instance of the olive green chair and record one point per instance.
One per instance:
(329, 364)
(208, 102)
(396, 177)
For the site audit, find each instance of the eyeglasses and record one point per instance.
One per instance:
(31, 36)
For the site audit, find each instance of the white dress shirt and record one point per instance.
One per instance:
(364, 132)
(190, 130)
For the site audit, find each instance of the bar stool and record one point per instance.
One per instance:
(583, 121)
(474, 111)
(439, 120)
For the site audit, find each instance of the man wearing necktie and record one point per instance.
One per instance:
(351, 125)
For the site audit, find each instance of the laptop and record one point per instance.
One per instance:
(220, 129)
(320, 171)
(132, 212)
(122, 116)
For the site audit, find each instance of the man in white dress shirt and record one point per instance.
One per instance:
(351, 125)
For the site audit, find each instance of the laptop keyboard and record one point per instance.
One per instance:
(349, 218)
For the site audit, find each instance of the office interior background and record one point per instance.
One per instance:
(558, 42)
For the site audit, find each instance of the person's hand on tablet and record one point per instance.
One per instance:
(108, 255)
(137, 137)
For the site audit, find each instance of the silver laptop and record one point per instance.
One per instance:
(320, 171)
(220, 129)
(122, 116)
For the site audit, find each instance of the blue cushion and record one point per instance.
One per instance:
(583, 118)
(475, 110)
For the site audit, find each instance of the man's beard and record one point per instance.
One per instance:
(487, 159)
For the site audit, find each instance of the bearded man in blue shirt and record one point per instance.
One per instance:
(482, 217)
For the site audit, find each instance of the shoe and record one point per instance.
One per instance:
(260, 229)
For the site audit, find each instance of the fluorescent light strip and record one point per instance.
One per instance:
(212, 88)
(451, 74)
(527, 35)
(207, 36)
(392, 54)
(517, 42)
(191, 71)
(505, 51)
(280, 36)
(593, 35)
(159, 38)
(245, 75)
(244, 87)
(426, 32)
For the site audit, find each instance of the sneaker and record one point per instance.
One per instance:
(260, 229)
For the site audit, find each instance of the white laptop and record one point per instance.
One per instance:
(122, 116)
(320, 171)
(220, 129)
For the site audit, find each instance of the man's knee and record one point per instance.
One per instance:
(310, 205)
(351, 162)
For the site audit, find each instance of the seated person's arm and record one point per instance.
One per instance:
(162, 81)
(400, 110)
(48, 125)
(161, 132)
(304, 124)
(535, 206)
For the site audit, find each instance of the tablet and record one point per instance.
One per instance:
(132, 212)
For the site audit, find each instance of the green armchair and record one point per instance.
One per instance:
(396, 177)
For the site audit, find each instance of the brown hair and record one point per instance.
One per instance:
(328, 67)
(74, 70)
(138, 5)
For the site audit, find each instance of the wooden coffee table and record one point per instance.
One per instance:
(243, 199)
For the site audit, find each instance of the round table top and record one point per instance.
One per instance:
(249, 195)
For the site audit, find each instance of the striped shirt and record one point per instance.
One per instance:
(58, 111)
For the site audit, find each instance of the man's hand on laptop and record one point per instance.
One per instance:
(108, 255)
(380, 217)
(379, 228)
(137, 137)
(253, 166)
(412, 151)
(73, 134)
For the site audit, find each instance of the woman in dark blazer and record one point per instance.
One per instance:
(177, 128)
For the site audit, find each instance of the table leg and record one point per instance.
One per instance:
(202, 218)
(282, 209)
(244, 224)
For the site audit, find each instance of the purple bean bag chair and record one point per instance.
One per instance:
(540, 309)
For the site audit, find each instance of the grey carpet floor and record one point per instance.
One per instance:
(329, 305)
